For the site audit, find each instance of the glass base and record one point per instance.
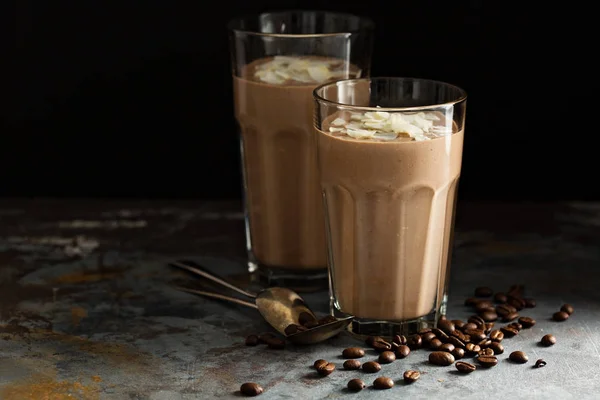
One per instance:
(299, 280)
(361, 328)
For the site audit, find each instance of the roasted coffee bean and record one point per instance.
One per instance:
(251, 389)
(516, 302)
(527, 322)
(383, 382)
(411, 376)
(291, 329)
(458, 335)
(276, 343)
(442, 317)
(265, 337)
(306, 317)
(476, 334)
(484, 343)
(530, 303)
(311, 324)
(356, 385)
(516, 325)
(497, 348)
(456, 342)
(415, 342)
(458, 324)
(440, 334)
(560, 316)
(489, 316)
(387, 357)
(371, 339)
(472, 349)
(428, 337)
(471, 301)
(488, 327)
(458, 353)
(446, 347)
(424, 330)
(483, 291)
(446, 326)
(509, 331)
(485, 352)
(477, 320)
(548, 340)
(487, 361)
(483, 305)
(380, 345)
(319, 363)
(496, 335)
(352, 365)
(326, 369)
(327, 319)
(518, 357)
(371, 367)
(540, 363)
(252, 340)
(402, 351)
(353, 352)
(469, 325)
(441, 358)
(435, 344)
(500, 298)
(567, 308)
(399, 339)
(505, 309)
(467, 339)
(516, 290)
(510, 317)
(465, 367)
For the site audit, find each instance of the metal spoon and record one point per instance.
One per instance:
(279, 306)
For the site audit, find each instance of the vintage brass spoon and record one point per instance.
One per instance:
(279, 306)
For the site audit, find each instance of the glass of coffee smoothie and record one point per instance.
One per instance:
(278, 59)
(389, 153)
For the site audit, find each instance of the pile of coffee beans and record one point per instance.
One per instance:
(307, 321)
(496, 316)
(268, 338)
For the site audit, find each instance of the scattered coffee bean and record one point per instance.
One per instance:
(477, 320)
(411, 376)
(471, 301)
(516, 302)
(356, 385)
(483, 291)
(456, 342)
(446, 347)
(351, 365)
(472, 349)
(530, 303)
(251, 389)
(496, 335)
(476, 334)
(500, 298)
(353, 352)
(380, 345)
(497, 348)
(371, 339)
(435, 344)
(469, 325)
(441, 358)
(424, 330)
(326, 369)
(486, 352)
(458, 324)
(459, 335)
(415, 342)
(447, 326)
(402, 351)
(518, 357)
(306, 317)
(483, 305)
(465, 367)
(567, 308)
(560, 316)
(488, 327)
(428, 337)
(387, 357)
(509, 331)
(399, 339)
(484, 343)
(383, 382)
(264, 338)
(516, 290)
(516, 325)
(510, 317)
(371, 367)
(458, 353)
(527, 322)
(440, 334)
(319, 363)
(548, 340)
(489, 316)
(252, 340)
(505, 309)
(276, 344)
(540, 363)
(487, 361)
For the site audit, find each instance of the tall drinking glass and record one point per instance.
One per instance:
(278, 59)
(389, 154)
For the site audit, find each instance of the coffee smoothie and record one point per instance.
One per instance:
(284, 206)
(389, 182)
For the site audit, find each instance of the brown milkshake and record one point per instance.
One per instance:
(389, 182)
(274, 109)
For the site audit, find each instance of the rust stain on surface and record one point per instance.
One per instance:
(44, 387)
(96, 378)
(77, 314)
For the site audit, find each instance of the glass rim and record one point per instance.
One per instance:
(366, 23)
(460, 99)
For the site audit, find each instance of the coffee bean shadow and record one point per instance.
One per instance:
(455, 372)
(237, 393)
(539, 344)
(313, 376)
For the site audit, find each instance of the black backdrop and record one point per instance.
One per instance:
(133, 99)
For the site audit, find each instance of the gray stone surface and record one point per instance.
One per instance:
(87, 309)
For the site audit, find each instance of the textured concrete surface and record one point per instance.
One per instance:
(87, 311)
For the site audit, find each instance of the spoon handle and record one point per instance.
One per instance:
(198, 270)
(217, 296)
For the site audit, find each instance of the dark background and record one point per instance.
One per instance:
(133, 99)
